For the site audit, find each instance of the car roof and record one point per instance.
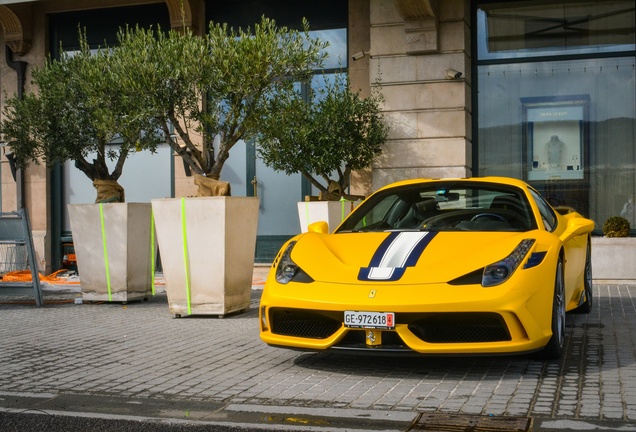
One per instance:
(491, 179)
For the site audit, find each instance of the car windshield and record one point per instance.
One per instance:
(444, 206)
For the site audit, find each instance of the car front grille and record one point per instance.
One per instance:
(303, 323)
(429, 327)
(460, 327)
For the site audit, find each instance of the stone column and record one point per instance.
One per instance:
(420, 50)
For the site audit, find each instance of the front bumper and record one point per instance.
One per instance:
(437, 319)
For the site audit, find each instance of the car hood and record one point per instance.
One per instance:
(400, 257)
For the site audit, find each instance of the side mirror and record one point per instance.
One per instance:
(577, 226)
(319, 227)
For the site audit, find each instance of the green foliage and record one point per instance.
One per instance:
(79, 108)
(196, 92)
(616, 226)
(337, 132)
(234, 72)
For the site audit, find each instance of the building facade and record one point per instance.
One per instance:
(537, 90)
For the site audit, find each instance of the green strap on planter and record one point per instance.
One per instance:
(186, 260)
(342, 207)
(152, 252)
(101, 218)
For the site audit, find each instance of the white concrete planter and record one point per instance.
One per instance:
(614, 259)
(332, 212)
(207, 247)
(113, 248)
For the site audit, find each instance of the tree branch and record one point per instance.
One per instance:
(181, 151)
(87, 168)
(190, 153)
(123, 154)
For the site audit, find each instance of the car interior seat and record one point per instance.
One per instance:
(418, 212)
(510, 203)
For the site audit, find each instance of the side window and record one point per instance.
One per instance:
(380, 212)
(375, 215)
(547, 214)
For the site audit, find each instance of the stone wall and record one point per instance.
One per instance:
(413, 46)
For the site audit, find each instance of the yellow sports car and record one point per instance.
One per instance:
(450, 266)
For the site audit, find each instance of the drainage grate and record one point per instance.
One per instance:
(469, 423)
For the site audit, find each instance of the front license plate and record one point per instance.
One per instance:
(374, 320)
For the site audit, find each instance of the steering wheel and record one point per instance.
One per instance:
(489, 215)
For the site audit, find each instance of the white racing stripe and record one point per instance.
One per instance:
(396, 255)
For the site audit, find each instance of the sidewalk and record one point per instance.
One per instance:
(137, 360)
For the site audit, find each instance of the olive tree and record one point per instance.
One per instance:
(209, 92)
(335, 132)
(80, 112)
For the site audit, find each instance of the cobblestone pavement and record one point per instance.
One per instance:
(140, 351)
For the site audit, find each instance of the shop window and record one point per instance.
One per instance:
(564, 122)
(511, 29)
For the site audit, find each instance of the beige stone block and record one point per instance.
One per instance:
(425, 153)
(361, 182)
(359, 79)
(421, 35)
(383, 12)
(8, 188)
(395, 69)
(37, 203)
(447, 38)
(383, 177)
(183, 188)
(402, 125)
(36, 196)
(468, 97)
(387, 40)
(402, 97)
(453, 36)
(443, 124)
(358, 40)
(442, 95)
(41, 244)
(467, 67)
(433, 67)
(453, 10)
(183, 185)
(425, 96)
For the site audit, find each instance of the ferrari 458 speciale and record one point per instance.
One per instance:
(444, 266)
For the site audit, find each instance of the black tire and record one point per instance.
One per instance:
(586, 306)
(554, 347)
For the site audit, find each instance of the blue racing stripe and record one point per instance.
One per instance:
(379, 253)
(374, 272)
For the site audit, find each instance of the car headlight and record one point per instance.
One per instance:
(287, 270)
(499, 272)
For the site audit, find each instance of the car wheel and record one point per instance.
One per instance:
(554, 348)
(586, 306)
